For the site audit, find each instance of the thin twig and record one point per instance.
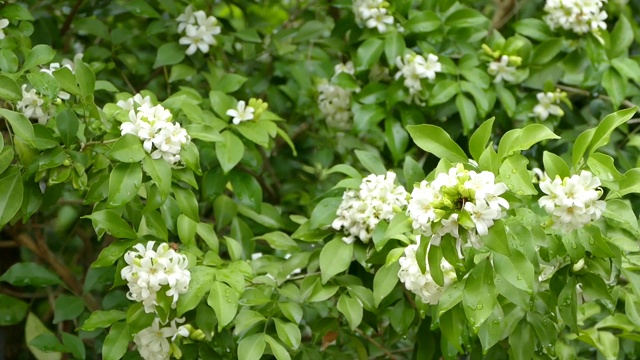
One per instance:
(377, 344)
(9, 244)
(21, 295)
(573, 90)
(69, 20)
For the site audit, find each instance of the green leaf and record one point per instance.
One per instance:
(522, 341)
(86, 79)
(15, 12)
(396, 138)
(8, 60)
(198, 286)
(67, 80)
(616, 86)
(124, 182)
(291, 311)
(67, 307)
(507, 99)
(371, 161)
(68, 124)
(547, 50)
(288, 333)
(160, 172)
(128, 149)
(102, 319)
(74, 345)
(435, 140)
(246, 319)
(496, 239)
(112, 223)
(468, 113)
(12, 310)
(251, 347)
(20, 125)
(116, 343)
(9, 90)
(11, 195)
(47, 343)
(480, 295)
(224, 209)
(443, 91)
(40, 54)
(169, 54)
(187, 202)
(335, 258)
(434, 254)
(29, 274)
(229, 83)
(206, 232)
(514, 173)
(384, 281)
(516, 268)
(422, 22)
(33, 328)
(394, 46)
(229, 151)
(580, 145)
(369, 52)
(325, 212)
(533, 28)
(467, 17)
(606, 126)
(621, 38)
(278, 350)
(568, 304)
(479, 139)
(554, 165)
(224, 302)
(523, 139)
(627, 67)
(279, 241)
(204, 132)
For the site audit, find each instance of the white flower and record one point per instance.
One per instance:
(413, 67)
(200, 30)
(378, 198)
(32, 106)
(65, 63)
(153, 342)
(150, 271)
(373, 14)
(501, 70)
(344, 68)
(241, 113)
(3, 24)
(335, 104)
(547, 105)
(578, 16)
(422, 284)
(152, 124)
(435, 208)
(572, 202)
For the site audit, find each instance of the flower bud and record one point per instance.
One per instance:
(578, 266)
(196, 335)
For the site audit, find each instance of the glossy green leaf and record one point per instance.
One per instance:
(116, 342)
(169, 54)
(224, 302)
(124, 182)
(251, 347)
(20, 125)
(335, 258)
(40, 54)
(128, 149)
(288, 333)
(435, 140)
(112, 223)
(12, 310)
(480, 295)
(102, 319)
(229, 151)
(384, 281)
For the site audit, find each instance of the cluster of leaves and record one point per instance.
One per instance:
(250, 205)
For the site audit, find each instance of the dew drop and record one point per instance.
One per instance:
(574, 245)
(479, 306)
(592, 242)
(514, 171)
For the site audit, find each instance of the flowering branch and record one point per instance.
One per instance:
(572, 90)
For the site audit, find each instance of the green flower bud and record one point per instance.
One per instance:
(196, 335)
(515, 60)
(175, 351)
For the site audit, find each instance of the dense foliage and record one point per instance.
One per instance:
(319, 179)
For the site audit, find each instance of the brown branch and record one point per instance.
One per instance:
(43, 252)
(573, 90)
(505, 9)
(387, 353)
(69, 20)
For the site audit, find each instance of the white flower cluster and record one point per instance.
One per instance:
(33, 106)
(421, 284)
(199, 29)
(334, 101)
(65, 63)
(502, 71)
(457, 198)
(579, 16)
(153, 341)
(377, 199)
(149, 271)
(413, 68)
(572, 202)
(548, 105)
(3, 24)
(373, 14)
(152, 124)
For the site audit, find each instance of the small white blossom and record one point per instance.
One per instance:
(200, 30)
(378, 198)
(422, 284)
(152, 124)
(578, 16)
(413, 68)
(436, 207)
(153, 342)
(502, 71)
(344, 68)
(241, 113)
(572, 202)
(548, 105)
(33, 106)
(335, 104)
(150, 271)
(3, 24)
(372, 14)
(65, 63)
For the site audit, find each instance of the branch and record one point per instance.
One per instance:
(43, 252)
(573, 90)
(387, 353)
(505, 9)
(69, 20)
